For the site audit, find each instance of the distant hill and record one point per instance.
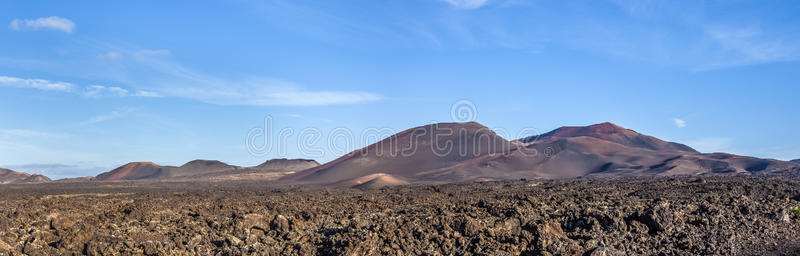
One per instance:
(12, 177)
(135, 171)
(76, 179)
(286, 165)
(796, 160)
(205, 169)
(269, 170)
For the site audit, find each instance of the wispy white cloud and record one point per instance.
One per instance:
(24, 133)
(50, 23)
(111, 56)
(680, 123)
(466, 4)
(92, 91)
(41, 84)
(175, 80)
(146, 94)
(107, 117)
(156, 52)
(749, 45)
(99, 91)
(266, 92)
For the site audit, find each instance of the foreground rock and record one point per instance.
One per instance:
(666, 216)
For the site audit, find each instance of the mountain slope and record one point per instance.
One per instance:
(796, 161)
(405, 154)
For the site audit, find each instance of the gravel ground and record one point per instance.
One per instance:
(744, 215)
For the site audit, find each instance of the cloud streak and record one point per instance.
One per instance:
(107, 117)
(92, 91)
(40, 84)
(679, 122)
(175, 80)
(267, 93)
(47, 23)
(99, 91)
(748, 46)
(23, 133)
(466, 4)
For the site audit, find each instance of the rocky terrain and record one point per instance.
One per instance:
(715, 215)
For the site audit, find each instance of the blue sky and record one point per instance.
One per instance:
(86, 86)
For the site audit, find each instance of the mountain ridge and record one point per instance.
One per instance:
(459, 152)
(599, 150)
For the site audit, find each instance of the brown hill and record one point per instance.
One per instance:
(409, 152)
(610, 132)
(8, 176)
(134, 171)
(12, 177)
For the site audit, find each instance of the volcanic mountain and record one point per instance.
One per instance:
(408, 153)
(597, 150)
(11, 177)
